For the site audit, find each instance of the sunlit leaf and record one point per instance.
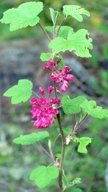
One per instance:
(79, 42)
(83, 143)
(43, 176)
(75, 11)
(24, 15)
(20, 92)
(31, 138)
(45, 56)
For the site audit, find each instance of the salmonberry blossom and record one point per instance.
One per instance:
(44, 109)
(62, 78)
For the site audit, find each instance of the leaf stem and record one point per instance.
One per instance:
(45, 32)
(78, 125)
(60, 26)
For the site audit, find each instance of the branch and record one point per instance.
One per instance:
(46, 34)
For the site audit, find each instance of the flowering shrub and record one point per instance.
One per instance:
(46, 106)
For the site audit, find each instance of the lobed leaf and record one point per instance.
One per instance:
(75, 11)
(31, 138)
(43, 176)
(80, 103)
(24, 15)
(79, 42)
(20, 92)
(93, 110)
(83, 143)
(72, 106)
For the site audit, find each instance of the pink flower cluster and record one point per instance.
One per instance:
(60, 76)
(44, 109)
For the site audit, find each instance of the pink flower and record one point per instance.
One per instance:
(62, 78)
(44, 109)
(49, 65)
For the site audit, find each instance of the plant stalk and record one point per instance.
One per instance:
(45, 32)
(62, 153)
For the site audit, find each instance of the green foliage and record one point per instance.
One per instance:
(80, 103)
(54, 14)
(75, 11)
(43, 176)
(79, 42)
(64, 31)
(25, 15)
(45, 56)
(76, 190)
(76, 181)
(20, 92)
(72, 106)
(91, 109)
(31, 138)
(83, 143)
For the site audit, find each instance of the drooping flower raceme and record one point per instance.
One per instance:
(60, 76)
(44, 109)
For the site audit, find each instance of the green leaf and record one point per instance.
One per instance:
(76, 190)
(49, 29)
(75, 11)
(83, 143)
(61, 64)
(54, 14)
(20, 92)
(72, 106)
(91, 109)
(43, 176)
(76, 181)
(64, 31)
(25, 15)
(45, 56)
(31, 138)
(78, 42)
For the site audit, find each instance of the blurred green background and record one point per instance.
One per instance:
(16, 161)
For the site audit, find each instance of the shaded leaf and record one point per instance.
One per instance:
(43, 176)
(24, 15)
(54, 14)
(76, 190)
(72, 106)
(64, 31)
(31, 138)
(49, 29)
(91, 109)
(20, 92)
(75, 11)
